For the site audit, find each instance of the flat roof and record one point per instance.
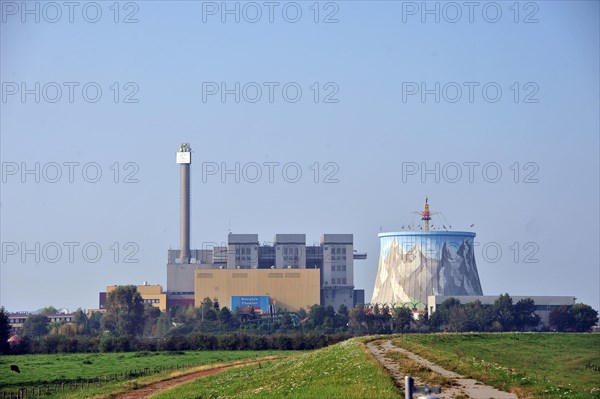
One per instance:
(427, 233)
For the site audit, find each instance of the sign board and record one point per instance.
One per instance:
(184, 157)
(245, 303)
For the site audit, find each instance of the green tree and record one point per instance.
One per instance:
(81, 321)
(302, 314)
(36, 325)
(207, 310)
(584, 317)
(402, 319)
(504, 312)
(316, 316)
(4, 331)
(457, 319)
(224, 316)
(561, 318)
(440, 318)
(49, 310)
(124, 312)
(524, 313)
(151, 315)
(358, 319)
(94, 323)
(341, 318)
(478, 316)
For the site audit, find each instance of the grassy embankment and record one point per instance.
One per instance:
(534, 365)
(344, 370)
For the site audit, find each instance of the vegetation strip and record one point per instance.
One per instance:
(533, 365)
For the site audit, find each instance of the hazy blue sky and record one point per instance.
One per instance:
(366, 130)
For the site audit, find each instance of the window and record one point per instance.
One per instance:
(344, 281)
(343, 268)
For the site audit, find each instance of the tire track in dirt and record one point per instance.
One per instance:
(462, 386)
(161, 386)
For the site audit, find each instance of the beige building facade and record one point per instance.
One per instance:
(289, 289)
(152, 294)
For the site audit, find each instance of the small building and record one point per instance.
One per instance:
(17, 320)
(543, 304)
(152, 294)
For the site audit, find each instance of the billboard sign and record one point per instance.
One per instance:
(245, 303)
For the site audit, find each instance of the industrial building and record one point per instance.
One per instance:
(285, 289)
(414, 265)
(293, 273)
(543, 304)
(331, 262)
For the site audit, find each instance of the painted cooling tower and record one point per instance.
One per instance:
(414, 265)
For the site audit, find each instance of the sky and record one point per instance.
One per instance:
(304, 117)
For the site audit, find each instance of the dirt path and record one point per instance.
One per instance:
(160, 386)
(462, 387)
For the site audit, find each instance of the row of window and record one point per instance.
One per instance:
(336, 280)
(338, 250)
(338, 268)
(151, 300)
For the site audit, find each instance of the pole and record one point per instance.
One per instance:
(408, 387)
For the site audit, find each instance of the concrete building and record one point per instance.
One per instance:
(288, 289)
(152, 294)
(543, 304)
(333, 257)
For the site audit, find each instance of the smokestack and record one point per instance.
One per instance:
(184, 157)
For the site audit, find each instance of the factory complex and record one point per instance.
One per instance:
(418, 268)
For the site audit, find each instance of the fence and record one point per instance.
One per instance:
(37, 391)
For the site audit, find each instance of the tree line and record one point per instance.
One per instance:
(129, 324)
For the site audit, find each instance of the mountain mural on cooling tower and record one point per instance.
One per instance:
(411, 276)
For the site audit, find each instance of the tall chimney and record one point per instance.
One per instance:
(184, 157)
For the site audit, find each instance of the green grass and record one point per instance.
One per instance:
(42, 369)
(344, 370)
(534, 365)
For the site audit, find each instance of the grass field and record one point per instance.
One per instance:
(344, 370)
(42, 369)
(535, 365)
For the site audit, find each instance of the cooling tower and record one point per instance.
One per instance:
(414, 265)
